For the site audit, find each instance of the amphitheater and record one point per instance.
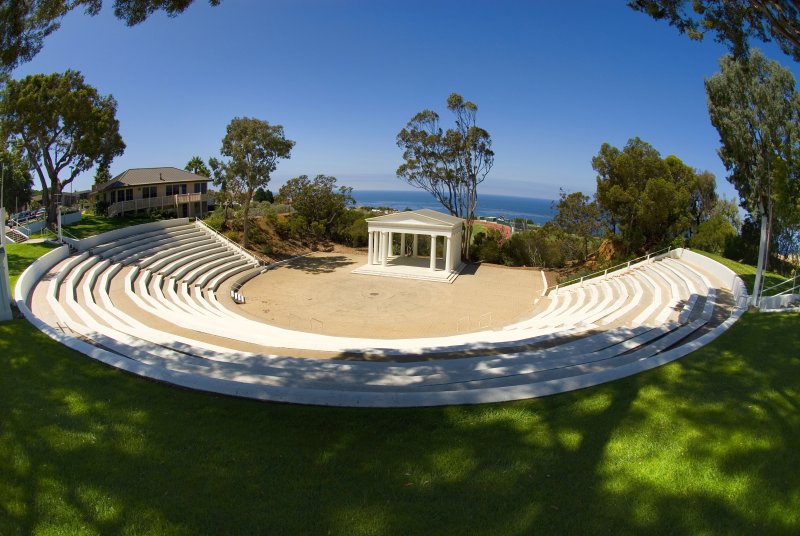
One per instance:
(163, 300)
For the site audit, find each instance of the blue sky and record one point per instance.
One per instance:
(552, 81)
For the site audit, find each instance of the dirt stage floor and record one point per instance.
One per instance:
(319, 293)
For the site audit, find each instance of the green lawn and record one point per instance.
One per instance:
(90, 225)
(705, 445)
(746, 271)
(21, 255)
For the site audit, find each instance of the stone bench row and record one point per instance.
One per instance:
(460, 374)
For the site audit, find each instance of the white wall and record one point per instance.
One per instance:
(34, 272)
(732, 281)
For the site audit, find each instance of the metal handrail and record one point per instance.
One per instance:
(243, 251)
(607, 270)
(795, 282)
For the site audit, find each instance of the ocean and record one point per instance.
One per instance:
(537, 210)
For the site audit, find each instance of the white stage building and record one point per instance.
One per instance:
(399, 257)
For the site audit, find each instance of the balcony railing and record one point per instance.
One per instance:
(150, 203)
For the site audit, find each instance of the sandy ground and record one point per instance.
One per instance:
(320, 294)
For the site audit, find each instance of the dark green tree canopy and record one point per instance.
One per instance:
(448, 164)
(262, 195)
(63, 126)
(24, 24)
(732, 22)
(646, 197)
(317, 200)
(577, 214)
(17, 180)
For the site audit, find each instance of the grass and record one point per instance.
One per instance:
(746, 271)
(21, 255)
(90, 225)
(705, 445)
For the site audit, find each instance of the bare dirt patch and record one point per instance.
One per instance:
(318, 293)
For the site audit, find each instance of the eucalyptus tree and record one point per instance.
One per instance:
(448, 164)
(753, 105)
(253, 148)
(733, 22)
(25, 24)
(63, 126)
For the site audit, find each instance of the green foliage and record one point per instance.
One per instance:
(103, 173)
(216, 218)
(646, 198)
(487, 246)
(253, 148)
(577, 214)
(198, 167)
(448, 164)
(101, 207)
(358, 232)
(703, 197)
(262, 195)
(63, 125)
(350, 229)
(25, 25)
(754, 106)
(319, 201)
(17, 180)
(713, 234)
(731, 22)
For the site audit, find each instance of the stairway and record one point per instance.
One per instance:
(16, 236)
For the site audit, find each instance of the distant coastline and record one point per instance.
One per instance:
(509, 207)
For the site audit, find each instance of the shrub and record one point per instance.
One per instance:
(487, 246)
(713, 234)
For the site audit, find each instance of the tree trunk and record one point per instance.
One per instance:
(52, 202)
(467, 240)
(246, 215)
(763, 247)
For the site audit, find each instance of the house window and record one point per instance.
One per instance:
(148, 191)
(175, 189)
(129, 194)
(200, 187)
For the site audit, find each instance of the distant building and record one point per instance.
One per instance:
(167, 189)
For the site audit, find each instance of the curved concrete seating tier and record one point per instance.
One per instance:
(147, 303)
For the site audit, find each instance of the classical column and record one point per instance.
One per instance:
(433, 253)
(390, 249)
(370, 252)
(403, 244)
(385, 248)
(416, 245)
(448, 254)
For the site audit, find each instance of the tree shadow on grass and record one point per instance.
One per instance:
(319, 265)
(704, 445)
